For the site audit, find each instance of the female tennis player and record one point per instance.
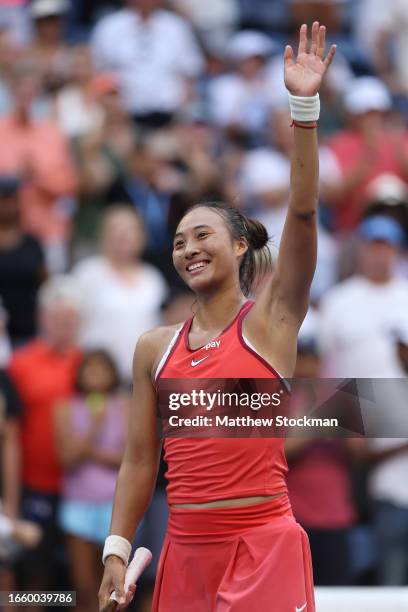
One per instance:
(232, 543)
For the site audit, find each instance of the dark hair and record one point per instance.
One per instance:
(257, 261)
(109, 362)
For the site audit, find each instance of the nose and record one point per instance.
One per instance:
(191, 249)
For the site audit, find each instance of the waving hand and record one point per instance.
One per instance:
(304, 74)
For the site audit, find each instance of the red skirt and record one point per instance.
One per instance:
(245, 559)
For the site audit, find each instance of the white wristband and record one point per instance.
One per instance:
(116, 545)
(304, 108)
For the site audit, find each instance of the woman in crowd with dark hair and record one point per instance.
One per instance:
(90, 439)
(232, 542)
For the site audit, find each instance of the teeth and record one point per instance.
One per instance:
(196, 266)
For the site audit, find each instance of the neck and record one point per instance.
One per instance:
(215, 312)
(379, 280)
(119, 263)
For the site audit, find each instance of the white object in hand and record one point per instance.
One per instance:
(140, 561)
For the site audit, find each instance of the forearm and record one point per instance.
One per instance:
(304, 173)
(134, 489)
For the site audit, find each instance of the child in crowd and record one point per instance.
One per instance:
(90, 435)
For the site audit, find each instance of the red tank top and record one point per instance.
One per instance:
(201, 470)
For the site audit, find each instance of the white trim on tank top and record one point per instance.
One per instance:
(167, 353)
(174, 340)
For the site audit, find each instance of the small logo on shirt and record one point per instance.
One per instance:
(195, 363)
(213, 344)
(300, 609)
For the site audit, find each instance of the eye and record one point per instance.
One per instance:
(178, 244)
(202, 234)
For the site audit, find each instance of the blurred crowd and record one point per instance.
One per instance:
(114, 118)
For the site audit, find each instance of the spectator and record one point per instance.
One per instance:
(124, 294)
(38, 151)
(239, 100)
(388, 458)
(91, 429)
(77, 108)
(319, 479)
(367, 148)
(22, 265)
(104, 157)
(15, 534)
(362, 345)
(43, 372)
(387, 25)
(15, 20)
(154, 54)
(214, 20)
(8, 54)
(48, 50)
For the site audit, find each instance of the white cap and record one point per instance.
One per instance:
(47, 8)
(249, 43)
(366, 94)
(387, 188)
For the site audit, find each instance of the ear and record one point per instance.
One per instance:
(241, 246)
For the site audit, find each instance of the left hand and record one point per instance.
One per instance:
(304, 74)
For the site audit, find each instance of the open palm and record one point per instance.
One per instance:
(304, 74)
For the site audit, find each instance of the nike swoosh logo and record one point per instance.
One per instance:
(195, 363)
(300, 609)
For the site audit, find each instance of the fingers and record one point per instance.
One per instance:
(302, 39)
(330, 56)
(321, 43)
(288, 55)
(315, 37)
(129, 596)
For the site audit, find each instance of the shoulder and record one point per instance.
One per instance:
(112, 22)
(400, 287)
(153, 274)
(152, 345)
(25, 355)
(88, 267)
(171, 20)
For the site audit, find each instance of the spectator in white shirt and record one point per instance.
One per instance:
(383, 29)
(361, 314)
(360, 321)
(239, 100)
(123, 294)
(154, 54)
(213, 19)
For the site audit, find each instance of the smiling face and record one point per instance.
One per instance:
(205, 254)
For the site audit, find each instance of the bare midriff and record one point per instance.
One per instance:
(230, 503)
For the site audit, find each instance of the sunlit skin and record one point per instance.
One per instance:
(203, 236)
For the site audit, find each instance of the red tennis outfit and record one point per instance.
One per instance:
(229, 559)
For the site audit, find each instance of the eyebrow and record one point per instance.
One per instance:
(194, 228)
